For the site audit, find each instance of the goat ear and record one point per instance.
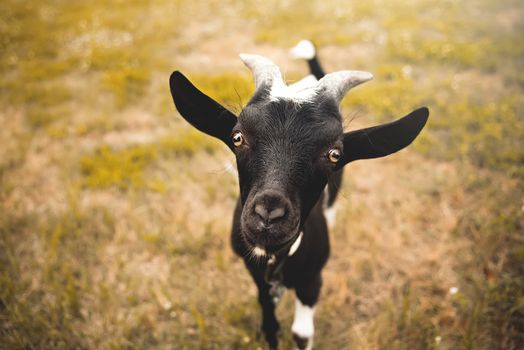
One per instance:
(382, 140)
(200, 110)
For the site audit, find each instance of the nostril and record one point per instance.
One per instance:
(276, 213)
(269, 207)
(269, 216)
(261, 211)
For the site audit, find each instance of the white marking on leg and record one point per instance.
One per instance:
(303, 322)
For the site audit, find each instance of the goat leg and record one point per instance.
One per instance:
(270, 326)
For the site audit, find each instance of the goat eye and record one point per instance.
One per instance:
(238, 139)
(334, 155)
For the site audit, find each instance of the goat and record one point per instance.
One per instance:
(288, 142)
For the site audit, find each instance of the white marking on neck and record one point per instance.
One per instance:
(303, 322)
(331, 215)
(257, 251)
(295, 244)
(326, 197)
(230, 168)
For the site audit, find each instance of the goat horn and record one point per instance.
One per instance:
(264, 71)
(337, 84)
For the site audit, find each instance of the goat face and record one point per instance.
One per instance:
(286, 151)
(287, 141)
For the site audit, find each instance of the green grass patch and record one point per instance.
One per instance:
(233, 90)
(410, 47)
(389, 95)
(187, 143)
(466, 125)
(484, 132)
(127, 167)
(128, 85)
(124, 168)
(41, 308)
(491, 311)
(325, 24)
(412, 328)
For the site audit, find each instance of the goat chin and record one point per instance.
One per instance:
(257, 251)
(289, 247)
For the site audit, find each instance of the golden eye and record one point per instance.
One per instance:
(334, 155)
(238, 139)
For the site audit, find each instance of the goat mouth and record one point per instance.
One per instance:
(271, 249)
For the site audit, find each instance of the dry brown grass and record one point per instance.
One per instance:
(115, 216)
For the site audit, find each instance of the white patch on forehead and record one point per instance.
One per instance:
(297, 94)
(266, 73)
(300, 91)
(303, 322)
(257, 251)
(308, 82)
(295, 244)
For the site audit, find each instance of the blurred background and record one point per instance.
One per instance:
(115, 214)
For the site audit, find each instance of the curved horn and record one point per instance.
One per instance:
(337, 84)
(264, 70)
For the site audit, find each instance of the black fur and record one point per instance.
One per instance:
(315, 67)
(283, 166)
(335, 181)
(206, 114)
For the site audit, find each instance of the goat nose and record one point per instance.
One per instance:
(269, 215)
(270, 207)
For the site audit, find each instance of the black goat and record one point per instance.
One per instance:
(288, 142)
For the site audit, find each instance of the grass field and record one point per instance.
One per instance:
(115, 214)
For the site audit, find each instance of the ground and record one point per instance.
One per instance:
(115, 214)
